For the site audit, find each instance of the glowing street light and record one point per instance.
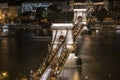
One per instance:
(4, 76)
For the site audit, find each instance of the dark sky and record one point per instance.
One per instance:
(40, 0)
(44, 0)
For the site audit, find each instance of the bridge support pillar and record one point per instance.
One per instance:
(80, 13)
(62, 33)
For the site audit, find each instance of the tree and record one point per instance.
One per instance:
(39, 13)
(53, 13)
(116, 13)
(101, 14)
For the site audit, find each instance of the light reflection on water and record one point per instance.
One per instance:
(101, 57)
(18, 56)
(99, 53)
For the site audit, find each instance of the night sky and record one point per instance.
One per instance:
(49, 0)
(42, 0)
(20, 1)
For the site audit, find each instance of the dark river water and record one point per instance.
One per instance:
(100, 54)
(99, 51)
(18, 55)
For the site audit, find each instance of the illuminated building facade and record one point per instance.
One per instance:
(3, 12)
(32, 6)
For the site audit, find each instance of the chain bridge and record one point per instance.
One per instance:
(64, 42)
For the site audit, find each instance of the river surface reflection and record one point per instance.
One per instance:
(99, 52)
(19, 55)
